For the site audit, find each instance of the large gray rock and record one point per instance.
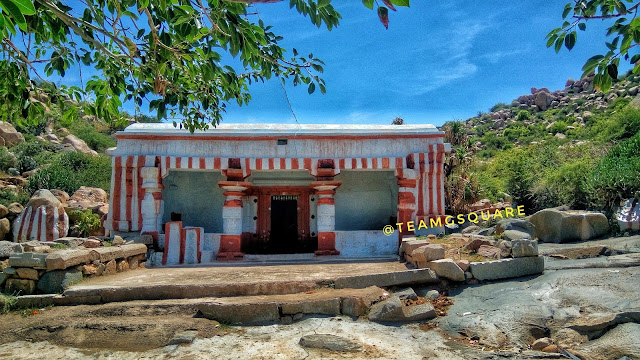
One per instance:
(5, 228)
(387, 310)
(7, 248)
(250, 313)
(558, 226)
(9, 136)
(617, 343)
(515, 235)
(543, 100)
(429, 252)
(20, 286)
(523, 248)
(417, 276)
(329, 342)
(57, 281)
(78, 144)
(29, 259)
(507, 268)
(448, 269)
(329, 306)
(518, 225)
(419, 312)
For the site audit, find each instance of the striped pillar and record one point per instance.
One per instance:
(326, 218)
(231, 238)
(152, 204)
(407, 183)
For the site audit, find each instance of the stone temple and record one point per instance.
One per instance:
(259, 189)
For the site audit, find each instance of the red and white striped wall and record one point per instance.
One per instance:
(127, 192)
(45, 223)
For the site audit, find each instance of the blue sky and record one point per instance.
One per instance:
(438, 61)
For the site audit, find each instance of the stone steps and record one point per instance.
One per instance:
(98, 294)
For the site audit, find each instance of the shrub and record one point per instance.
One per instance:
(514, 133)
(616, 176)
(523, 115)
(84, 221)
(498, 107)
(31, 154)
(558, 127)
(69, 171)
(7, 159)
(8, 196)
(95, 139)
(621, 125)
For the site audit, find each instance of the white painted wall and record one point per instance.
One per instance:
(366, 243)
(366, 199)
(197, 196)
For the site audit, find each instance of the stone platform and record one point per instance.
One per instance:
(241, 280)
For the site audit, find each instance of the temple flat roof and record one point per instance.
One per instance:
(231, 130)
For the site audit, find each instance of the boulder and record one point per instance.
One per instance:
(516, 224)
(7, 248)
(478, 241)
(91, 194)
(507, 268)
(428, 253)
(387, 310)
(558, 226)
(14, 210)
(92, 243)
(419, 312)
(543, 100)
(43, 219)
(541, 343)
(78, 144)
(515, 235)
(5, 227)
(330, 342)
(447, 268)
(62, 196)
(27, 273)
(53, 282)
(20, 286)
(9, 136)
(489, 251)
(3, 211)
(523, 248)
(406, 294)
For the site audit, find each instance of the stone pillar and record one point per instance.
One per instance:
(325, 190)
(152, 204)
(407, 182)
(231, 239)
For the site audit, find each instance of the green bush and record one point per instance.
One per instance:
(84, 222)
(69, 171)
(523, 115)
(621, 125)
(31, 154)
(616, 176)
(7, 159)
(498, 107)
(8, 196)
(95, 139)
(558, 127)
(515, 133)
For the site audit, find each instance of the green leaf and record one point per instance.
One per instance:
(312, 88)
(570, 40)
(323, 3)
(582, 26)
(612, 70)
(15, 13)
(368, 3)
(25, 6)
(558, 44)
(400, 2)
(567, 9)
